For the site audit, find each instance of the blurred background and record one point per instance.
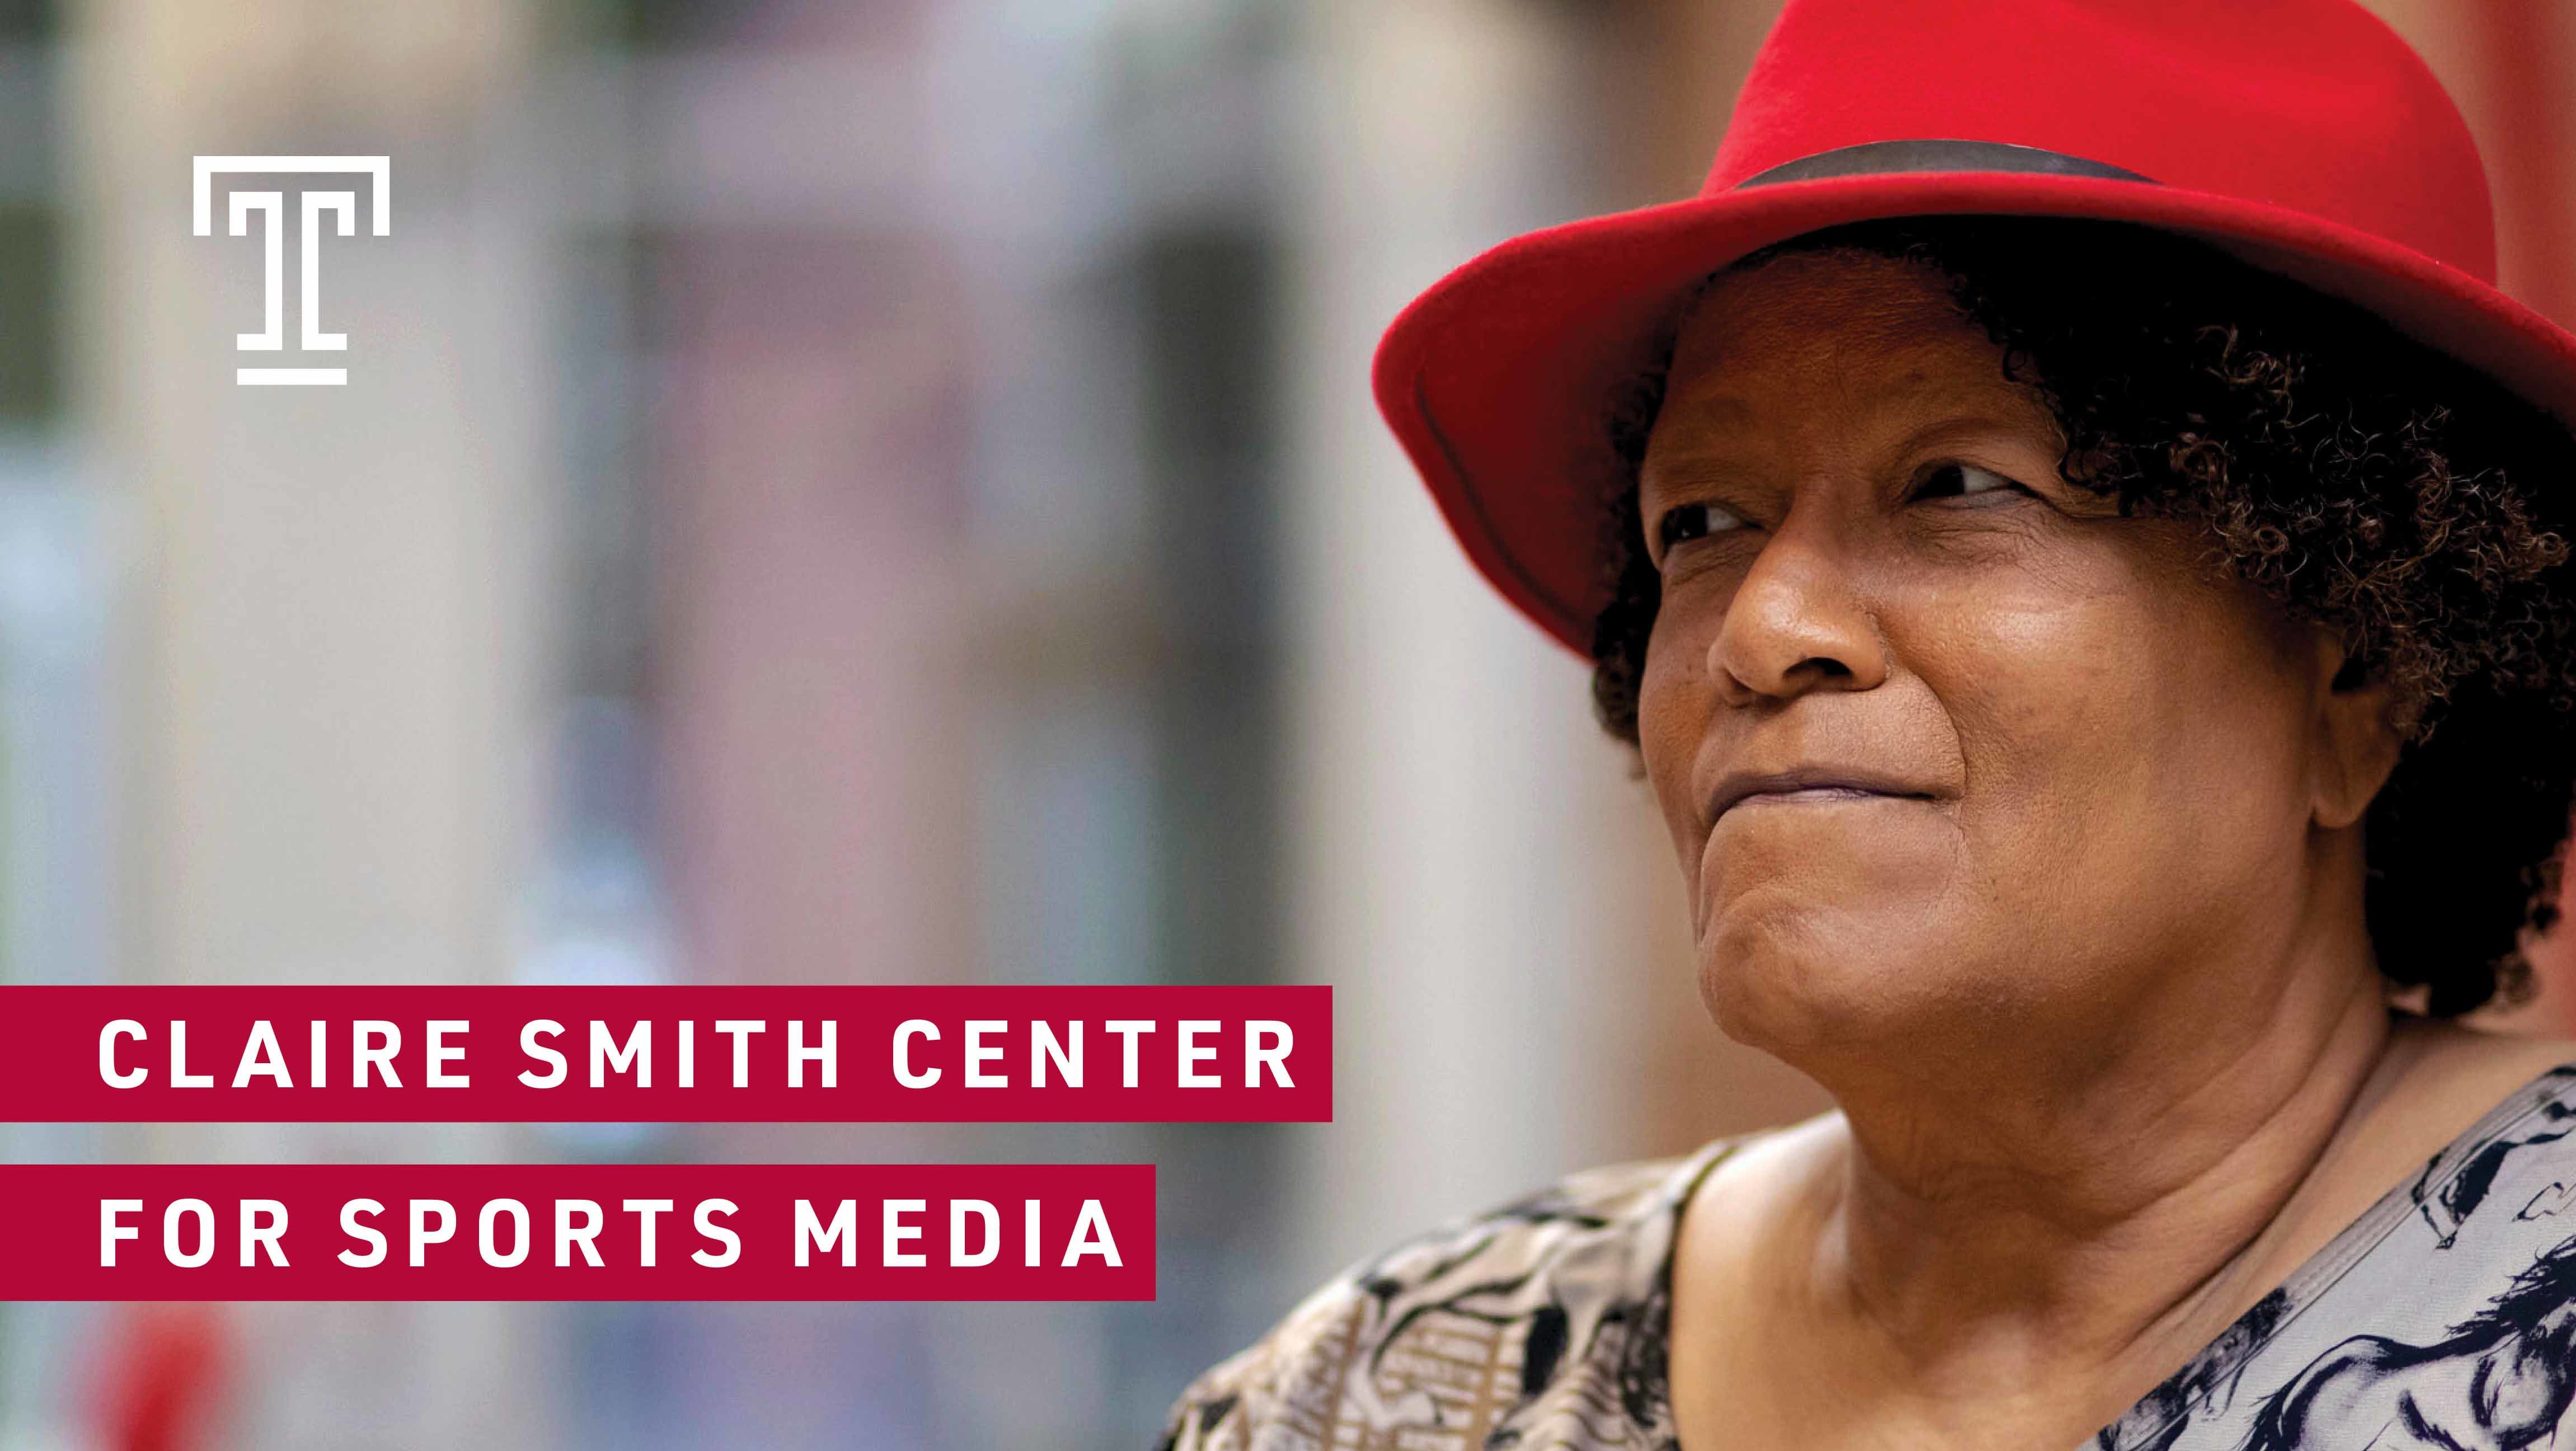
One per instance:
(847, 491)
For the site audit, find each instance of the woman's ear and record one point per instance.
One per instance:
(2358, 735)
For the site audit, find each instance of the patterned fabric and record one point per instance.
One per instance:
(2445, 1316)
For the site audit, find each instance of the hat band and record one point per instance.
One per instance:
(1877, 158)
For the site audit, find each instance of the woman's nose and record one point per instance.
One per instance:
(1797, 624)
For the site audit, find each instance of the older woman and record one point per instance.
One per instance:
(2085, 577)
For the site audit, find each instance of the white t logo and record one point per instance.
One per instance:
(343, 207)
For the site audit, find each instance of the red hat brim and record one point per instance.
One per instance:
(1498, 379)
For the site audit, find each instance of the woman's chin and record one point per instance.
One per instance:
(1818, 990)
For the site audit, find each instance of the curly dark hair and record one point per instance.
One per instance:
(2360, 478)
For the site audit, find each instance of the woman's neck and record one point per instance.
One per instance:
(2012, 1247)
(2083, 1218)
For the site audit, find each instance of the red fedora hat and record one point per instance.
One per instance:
(2301, 135)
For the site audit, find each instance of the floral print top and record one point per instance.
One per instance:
(2445, 1316)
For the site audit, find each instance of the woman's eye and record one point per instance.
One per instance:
(1692, 521)
(1949, 480)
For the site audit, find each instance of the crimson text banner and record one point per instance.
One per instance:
(667, 1054)
(578, 1232)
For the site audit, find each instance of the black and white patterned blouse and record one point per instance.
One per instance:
(2445, 1316)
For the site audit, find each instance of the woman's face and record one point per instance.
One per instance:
(1944, 742)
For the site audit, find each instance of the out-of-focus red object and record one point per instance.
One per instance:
(2521, 46)
(161, 1378)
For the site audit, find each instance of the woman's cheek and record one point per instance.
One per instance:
(2055, 704)
(1675, 704)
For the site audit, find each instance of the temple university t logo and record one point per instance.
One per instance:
(271, 205)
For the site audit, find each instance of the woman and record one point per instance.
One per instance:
(2086, 578)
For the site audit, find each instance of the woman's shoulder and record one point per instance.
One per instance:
(2454, 1084)
(1549, 1311)
(2452, 1296)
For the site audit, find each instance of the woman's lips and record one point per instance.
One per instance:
(1808, 785)
(1817, 794)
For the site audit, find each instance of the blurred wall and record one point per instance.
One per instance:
(328, 630)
